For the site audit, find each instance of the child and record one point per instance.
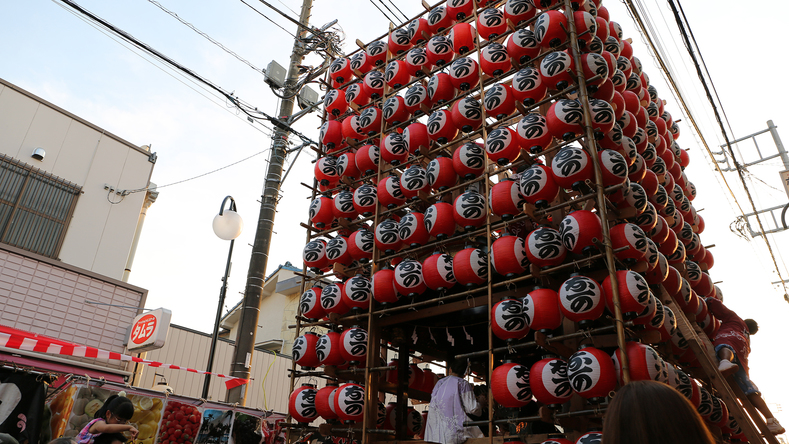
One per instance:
(112, 417)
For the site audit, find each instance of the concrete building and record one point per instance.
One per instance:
(73, 198)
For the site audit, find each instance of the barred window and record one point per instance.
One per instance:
(35, 207)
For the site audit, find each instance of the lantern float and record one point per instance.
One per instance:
(464, 73)
(440, 127)
(342, 205)
(337, 251)
(463, 35)
(564, 119)
(395, 111)
(367, 159)
(557, 69)
(376, 53)
(389, 192)
(439, 50)
(550, 29)
(439, 20)
(417, 99)
(393, 149)
(519, 11)
(413, 180)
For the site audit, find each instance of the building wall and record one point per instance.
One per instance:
(43, 296)
(189, 348)
(101, 233)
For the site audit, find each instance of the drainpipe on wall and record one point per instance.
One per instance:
(150, 198)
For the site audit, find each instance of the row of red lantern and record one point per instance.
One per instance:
(332, 348)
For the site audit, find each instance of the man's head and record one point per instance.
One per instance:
(753, 327)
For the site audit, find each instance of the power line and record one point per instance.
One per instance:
(381, 11)
(398, 9)
(267, 18)
(251, 112)
(737, 165)
(206, 36)
(390, 11)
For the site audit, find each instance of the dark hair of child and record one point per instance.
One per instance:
(753, 326)
(650, 412)
(109, 438)
(120, 406)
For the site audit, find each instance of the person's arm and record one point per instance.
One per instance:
(103, 427)
(719, 310)
(469, 399)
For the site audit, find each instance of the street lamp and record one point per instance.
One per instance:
(227, 225)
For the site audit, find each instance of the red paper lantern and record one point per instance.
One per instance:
(439, 20)
(510, 385)
(357, 95)
(361, 64)
(324, 400)
(581, 299)
(310, 304)
(441, 174)
(464, 73)
(550, 29)
(579, 229)
(541, 309)
(328, 349)
(376, 52)
(645, 364)
(321, 214)
(528, 86)
(314, 254)
(439, 220)
(439, 50)
(590, 438)
(564, 119)
(389, 192)
(571, 167)
(399, 41)
(384, 290)
(503, 145)
(585, 26)
(301, 404)
(522, 45)
(373, 84)
(429, 382)
(499, 101)
(463, 36)
(365, 199)
(466, 114)
(602, 115)
(413, 180)
(519, 11)
(557, 69)
(412, 229)
(415, 376)
(491, 23)
(334, 103)
(342, 205)
(591, 373)
(416, 138)
(326, 171)
(549, 382)
(337, 251)
(469, 210)
(393, 149)
(413, 422)
(419, 31)
(356, 292)
(505, 198)
(303, 351)
(633, 293)
(437, 272)
(367, 159)
(632, 237)
(594, 65)
(353, 345)
(534, 133)
(340, 71)
(440, 127)
(669, 327)
(331, 299)
(468, 160)
(417, 99)
(544, 247)
(346, 165)
(387, 236)
(396, 74)
(416, 62)
(370, 120)
(659, 273)
(395, 111)
(538, 186)
(408, 278)
(349, 402)
(352, 130)
(508, 321)
(470, 266)
(508, 256)
(494, 60)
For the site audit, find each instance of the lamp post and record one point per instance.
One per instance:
(227, 225)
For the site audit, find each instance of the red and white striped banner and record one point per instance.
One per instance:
(24, 340)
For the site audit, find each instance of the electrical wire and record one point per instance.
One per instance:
(405, 17)
(267, 18)
(390, 11)
(206, 36)
(737, 165)
(381, 11)
(251, 112)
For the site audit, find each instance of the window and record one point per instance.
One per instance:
(35, 207)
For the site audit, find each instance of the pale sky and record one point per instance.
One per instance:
(47, 50)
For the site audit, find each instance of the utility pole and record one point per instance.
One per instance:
(250, 309)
